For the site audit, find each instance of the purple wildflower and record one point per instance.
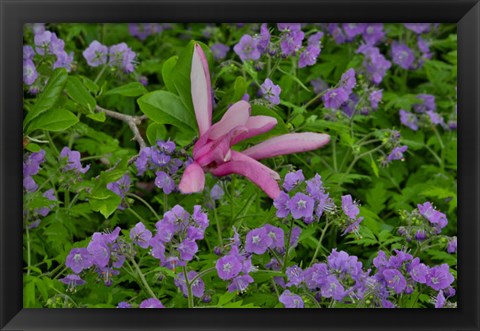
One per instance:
(418, 271)
(263, 39)
(409, 119)
(452, 245)
(281, 204)
(292, 179)
(72, 281)
(301, 206)
(216, 193)
(240, 283)
(42, 42)
(270, 92)
(309, 56)
(122, 56)
(315, 39)
(64, 60)
(140, 235)
(395, 280)
(418, 28)
(334, 98)
(151, 303)
(440, 300)
(258, 241)
(165, 182)
(121, 186)
(187, 249)
(96, 54)
(439, 277)
(79, 259)
(353, 29)
(397, 153)
(402, 55)
(374, 62)
(291, 38)
(198, 286)
(438, 219)
(73, 160)
(332, 288)
(124, 304)
(349, 207)
(277, 235)
(348, 81)
(427, 102)
(30, 73)
(375, 97)
(294, 275)
(373, 33)
(291, 300)
(228, 267)
(247, 49)
(219, 51)
(435, 117)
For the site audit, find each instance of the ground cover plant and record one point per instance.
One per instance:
(240, 165)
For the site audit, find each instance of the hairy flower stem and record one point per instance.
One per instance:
(132, 122)
(189, 288)
(287, 246)
(317, 250)
(202, 273)
(145, 203)
(29, 262)
(359, 157)
(219, 229)
(142, 278)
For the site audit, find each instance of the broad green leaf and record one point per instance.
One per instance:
(168, 73)
(79, 93)
(107, 205)
(53, 120)
(156, 131)
(133, 89)
(50, 95)
(167, 108)
(98, 116)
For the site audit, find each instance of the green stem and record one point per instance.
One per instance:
(145, 203)
(140, 218)
(189, 288)
(29, 262)
(319, 244)
(100, 73)
(285, 259)
(142, 278)
(219, 230)
(202, 273)
(334, 149)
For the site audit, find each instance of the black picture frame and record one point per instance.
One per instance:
(14, 13)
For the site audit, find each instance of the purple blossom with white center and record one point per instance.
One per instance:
(301, 206)
(151, 303)
(28, 52)
(353, 29)
(240, 283)
(349, 207)
(438, 219)
(291, 300)
(309, 56)
(73, 160)
(72, 281)
(292, 179)
(79, 259)
(122, 56)
(197, 287)
(219, 51)
(334, 98)
(439, 277)
(165, 182)
(42, 42)
(427, 102)
(187, 249)
(315, 187)
(315, 275)
(397, 153)
(315, 39)
(258, 241)
(140, 235)
(291, 41)
(348, 80)
(158, 247)
(64, 60)
(166, 146)
(395, 280)
(121, 186)
(263, 39)
(332, 288)
(247, 48)
(294, 275)
(373, 33)
(228, 266)
(452, 245)
(99, 251)
(30, 73)
(32, 162)
(159, 158)
(375, 97)
(56, 44)
(270, 92)
(418, 28)
(417, 270)
(435, 117)
(374, 62)
(409, 119)
(402, 55)
(281, 204)
(124, 304)
(96, 54)
(277, 235)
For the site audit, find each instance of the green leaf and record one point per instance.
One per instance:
(226, 298)
(168, 73)
(156, 131)
(99, 117)
(50, 95)
(133, 89)
(53, 120)
(79, 93)
(107, 205)
(167, 108)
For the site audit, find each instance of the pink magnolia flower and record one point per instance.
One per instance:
(212, 152)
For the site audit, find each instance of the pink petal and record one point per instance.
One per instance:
(287, 144)
(236, 115)
(193, 179)
(256, 125)
(201, 90)
(256, 172)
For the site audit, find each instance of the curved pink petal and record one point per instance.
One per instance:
(287, 144)
(193, 179)
(256, 125)
(201, 89)
(236, 115)
(259, 174)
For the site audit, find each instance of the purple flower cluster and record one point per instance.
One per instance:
(219, 51)
(396, 153)
(402, 56)
(143, 30)
(31, 167)
(418, 28)
(72, 159)
(178, 231)
(336, 97)
(375, 64)
(426, 109)
(309, 205)
(371, 33)
(197, 284)
(251, 48)
(291, 38)
(351, 210)
(120, 56)
(104, 253)
(121, 186)
(72, 281)
(160, 159)
(44, 211)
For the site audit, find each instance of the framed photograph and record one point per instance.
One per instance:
(174, 158)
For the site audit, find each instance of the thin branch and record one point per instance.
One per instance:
(132, 121)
